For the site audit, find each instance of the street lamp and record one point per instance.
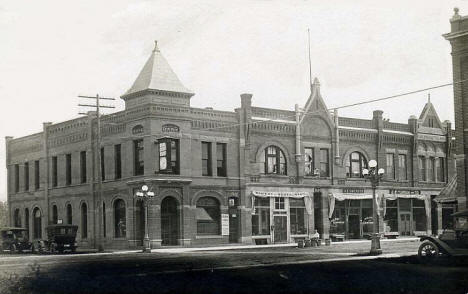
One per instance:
(144, 195)
(374, 175)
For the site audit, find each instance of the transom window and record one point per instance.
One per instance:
(355, 163)
(275, 161)
(279, 203)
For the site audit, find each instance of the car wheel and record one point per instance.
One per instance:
(428, 251)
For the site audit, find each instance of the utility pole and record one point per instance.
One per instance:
(98, 165)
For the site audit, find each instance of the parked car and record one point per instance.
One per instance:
(14, 239)
(59, 239)
(450, 242)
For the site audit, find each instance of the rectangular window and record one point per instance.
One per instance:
(422, 168)
(37, 179)
(54, 171)
(206, 159)
(68, 169)
(83, 166)
(26, 176)
(138, 156)
(103, 166)
(169, 156)
(221, 159)
(118, 161)
(279, 203)
(440, 169)
(402, 170)
(419, 215)
(430, 169)
(390, 166)
(309, 165)
(16, 177)
(261, 216)
(324, 163)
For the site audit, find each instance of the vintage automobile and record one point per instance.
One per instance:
(449, 243)
(14, 239)
(59, 238)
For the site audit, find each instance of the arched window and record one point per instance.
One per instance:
(119, 219)
(69, 214)
(208, 216)
(26, 221)
(84, 221)
(17, 218)
(355, 163)
(275, 161)
(54, 214)
(37, 224)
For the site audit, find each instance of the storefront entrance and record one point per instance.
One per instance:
(354, 227)
(233, 220)
(280, 228)
(169, 221)
(405, 224)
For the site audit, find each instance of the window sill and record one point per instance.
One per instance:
(209, 237)
(261, 236)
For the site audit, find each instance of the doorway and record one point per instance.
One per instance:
(139, 222)
(233, 220)
(354, 226)
(169, 221)
(280, 228)
(405, 224)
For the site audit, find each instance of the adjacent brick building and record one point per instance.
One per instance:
(253, 175)
(458, 38)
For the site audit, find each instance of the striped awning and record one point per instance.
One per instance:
(448, 193)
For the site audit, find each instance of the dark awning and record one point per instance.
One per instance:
(448, 193)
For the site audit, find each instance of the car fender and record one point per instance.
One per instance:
(441, 244)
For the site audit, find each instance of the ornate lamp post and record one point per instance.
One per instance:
(144, 195)
(374, 176)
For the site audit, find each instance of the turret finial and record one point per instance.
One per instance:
(156, 46)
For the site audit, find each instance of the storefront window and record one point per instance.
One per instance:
(261, 217)
(419, 215)
(208, 216)
(297, 216)
(391, 216)
(337, 223)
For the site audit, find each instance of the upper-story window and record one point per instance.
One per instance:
(36, 175)
(440, 167)
(309, 169)
(17, 178)
(430, 169)
(118, 161)
(26, 176)
(169, 156)
(221, 159)
(68, 169)
(54, 171)
(83, 166)
(390, 171)
(402, 170)
(355, 163)
(324, 163)
(275, 161)
(206, 159)
(138, 156)
(422, 168)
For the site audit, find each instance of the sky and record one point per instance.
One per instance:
(52, 51)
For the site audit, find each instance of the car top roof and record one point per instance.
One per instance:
(13, 229)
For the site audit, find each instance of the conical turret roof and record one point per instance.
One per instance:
(157, 74)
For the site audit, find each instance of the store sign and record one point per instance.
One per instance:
(138, 129)
(170, 128)
(225, 224)
(353, 190)
(280, 194)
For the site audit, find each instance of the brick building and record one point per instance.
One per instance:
(458, 38)
(253, 175)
